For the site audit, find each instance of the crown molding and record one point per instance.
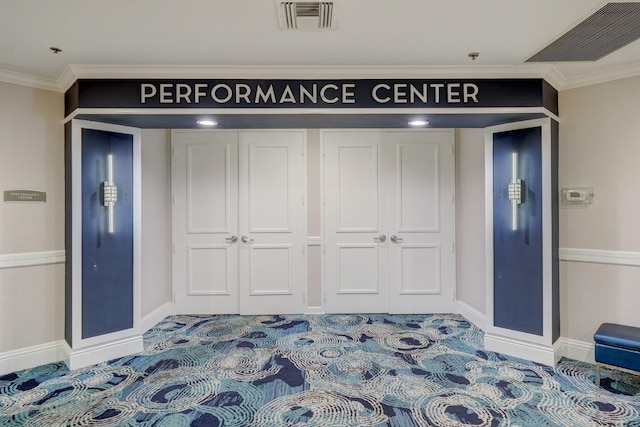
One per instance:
(29, 80)
(623, 71)
(67, 78)
(311, 72)
(549, 72)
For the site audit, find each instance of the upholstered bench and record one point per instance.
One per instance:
(617, 346)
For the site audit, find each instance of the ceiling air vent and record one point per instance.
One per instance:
(306, 15)
(612, 27)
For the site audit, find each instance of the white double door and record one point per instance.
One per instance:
(238, 221)
(388, 221)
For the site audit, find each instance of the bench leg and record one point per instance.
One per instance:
(598, 374)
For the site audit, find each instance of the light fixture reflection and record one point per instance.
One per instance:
(515, 191)
(418, 123)
(207, 123)
(109, 193)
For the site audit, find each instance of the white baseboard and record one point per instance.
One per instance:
(56, 351)
(156, 316)
(29, 357)
(94, 354)
(577, 350)
(545, 354)
(471, 314)
(563, 347)
(314, 310)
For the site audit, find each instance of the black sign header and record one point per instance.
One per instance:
(255, 93)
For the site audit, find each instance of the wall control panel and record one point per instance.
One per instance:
(579, 197)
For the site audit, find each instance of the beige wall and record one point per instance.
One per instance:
(470, 249)
(156, 219)
(32, 158)
(600, 147)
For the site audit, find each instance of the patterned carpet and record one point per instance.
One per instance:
(324, 370)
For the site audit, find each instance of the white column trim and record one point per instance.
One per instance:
(525, 349)
(30, 259)
(91, 355)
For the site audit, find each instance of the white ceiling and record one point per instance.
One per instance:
(111, 38)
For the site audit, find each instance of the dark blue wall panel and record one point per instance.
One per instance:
(107, 258)
(518, 276)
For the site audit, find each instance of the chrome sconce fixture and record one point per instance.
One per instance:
(515, 191)
(109, 193)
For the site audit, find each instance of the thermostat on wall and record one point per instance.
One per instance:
(579, 197)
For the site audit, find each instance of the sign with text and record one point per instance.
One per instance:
(292, 94)
(25, 196)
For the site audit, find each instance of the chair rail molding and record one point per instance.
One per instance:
(600, 256)
(31, 259)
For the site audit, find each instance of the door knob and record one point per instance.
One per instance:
(395, 239)
(231, 239)
(246, 239)
(381, 238)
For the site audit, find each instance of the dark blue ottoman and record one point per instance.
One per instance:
(617, 346)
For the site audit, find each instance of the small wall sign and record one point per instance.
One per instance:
(25, 196)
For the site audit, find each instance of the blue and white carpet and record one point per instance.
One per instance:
(324, 370)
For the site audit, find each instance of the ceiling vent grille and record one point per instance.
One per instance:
(306, 15)
(612, 27)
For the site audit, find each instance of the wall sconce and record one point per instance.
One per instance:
(515, 191)
(109, 192)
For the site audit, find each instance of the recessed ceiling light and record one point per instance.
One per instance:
(207, 123)
(418, 123)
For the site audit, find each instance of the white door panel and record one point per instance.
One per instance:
(355, 267)
(272, 188)
(265, 279)
(208, 172)
(418, 269)
(417, 186)
(357, 187)
(354, 272)
(208, 269)
(205, 212)
(421, 222)
(270, 202)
